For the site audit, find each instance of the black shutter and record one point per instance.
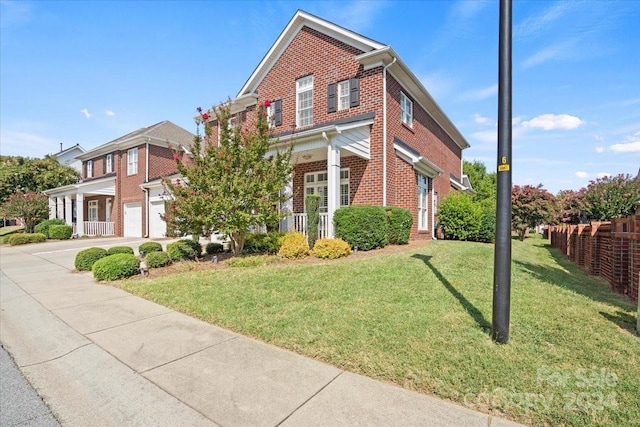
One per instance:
(277, 112)
(331, 98)
(354, 96)
(104, 164)
(84, 169)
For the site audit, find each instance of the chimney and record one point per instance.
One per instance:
(61, 147)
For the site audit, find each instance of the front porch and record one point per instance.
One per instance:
(94, 228)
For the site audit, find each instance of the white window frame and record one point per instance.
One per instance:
(109, 160)
(89, 168)
(304, 101)
(406, 110)
(92, 212)
(270, 111)
(423, 202)
(344, 95)
(132, 161)
(318, 183)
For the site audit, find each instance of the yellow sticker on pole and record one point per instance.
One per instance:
(503, 168)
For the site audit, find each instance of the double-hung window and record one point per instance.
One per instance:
(89, 168)
(423, 197)
(109, 163)
(132, 161)
(406, 109)
(304, 101)
(317, 183)
(343, 95)
(93, 210)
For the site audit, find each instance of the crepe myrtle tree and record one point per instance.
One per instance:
(530, 206)
(232, 184)
(31, 208)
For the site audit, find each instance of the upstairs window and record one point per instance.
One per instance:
(343, 95)
(406, 110)
(108, 163)
(89, 168)
(132, 161)
(304, 101)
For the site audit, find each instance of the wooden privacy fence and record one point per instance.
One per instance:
(607, 249)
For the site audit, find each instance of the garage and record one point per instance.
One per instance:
(157, 227)
(133, 220)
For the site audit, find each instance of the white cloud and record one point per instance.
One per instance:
(599, 149)
(549, 53)
(110, 113)
(581, 174)
(86, 113)
(628, 147)
(16, 143)
(480, 94)
(603, 174)
(553, 121)
(481, 120)
(539, 23)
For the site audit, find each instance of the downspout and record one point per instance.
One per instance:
(384, 131)
(146, 190)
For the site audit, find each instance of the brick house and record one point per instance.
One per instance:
(121, 189)
(364, 129)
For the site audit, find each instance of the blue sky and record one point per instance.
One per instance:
(90, 71)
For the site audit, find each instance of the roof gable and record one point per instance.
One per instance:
(303, 19)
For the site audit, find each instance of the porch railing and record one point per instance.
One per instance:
(96, 228)
(300, 224)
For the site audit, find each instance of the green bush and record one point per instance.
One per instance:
(119, 250)
(312, 202)
(261, 243)
(294, 246)
(25, 238)
(252, 261)
(148, 247)
(157, 259)
(60, 232)
(214, 248)
(460, 217)
(399, 222)
(86, 258)
(364, 227)
(331, 248)
(195, 246)
(114, 267)
(487, 231)
(181, 250)
(43, 227)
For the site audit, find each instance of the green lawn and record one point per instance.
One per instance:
(422, 318)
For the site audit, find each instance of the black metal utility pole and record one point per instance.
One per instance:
(502, 255)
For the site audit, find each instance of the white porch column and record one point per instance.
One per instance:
(68, 212)
(60, 207)
(80, 214)
(286, 223)
(333, 185)
(52, 207)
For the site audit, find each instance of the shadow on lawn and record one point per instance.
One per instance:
(623, 320)
(466, 304)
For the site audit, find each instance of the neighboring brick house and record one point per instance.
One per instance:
(364, 129)
(121, 190)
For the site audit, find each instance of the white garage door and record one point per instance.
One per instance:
(132, 220)
(157, 227)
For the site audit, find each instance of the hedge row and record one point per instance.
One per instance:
(24, 238)
(371, 227)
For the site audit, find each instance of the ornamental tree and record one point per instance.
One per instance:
(611, 197)
(31, 208)
(530, 207)
(569, 206)
(232, 184)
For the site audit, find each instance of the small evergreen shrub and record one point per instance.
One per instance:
(60, 232)
(261, 243)
(399, 222)
(252, 261)
(312, 202)
(181, 250)
(195, 246)
(25, 238)
(294, 246)
(119, 250)
(148, 247)
(214, 248)
(114, 267)
(364, 227)
(460, 217)
(331, 248)
(487, 233)
(43, 227)
(86, 258)
(157, 259)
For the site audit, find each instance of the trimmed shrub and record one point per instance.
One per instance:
(294, 246)
(487, 233)
(86, 258)
(43, 227)
(399, 222)
(460, 217)
(252, 261)
(312, 202)
(261, 243)
(148, 247)
(157, 259)
(195, 246)
(331, 248)
(25, 238)
(364, 227)
(119, 250)
(114, 267)
(60, 232)
(180, 250)
(214, 248)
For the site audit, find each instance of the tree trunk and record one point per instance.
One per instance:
(237, 243)
(521, 234)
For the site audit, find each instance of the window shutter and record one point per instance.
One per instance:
(277, 112)
(331, 98)
(84, 169)
(104, 164)
(354, 96)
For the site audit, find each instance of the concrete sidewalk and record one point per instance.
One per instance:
(100, 356)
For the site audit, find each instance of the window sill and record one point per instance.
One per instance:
(406, 126)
